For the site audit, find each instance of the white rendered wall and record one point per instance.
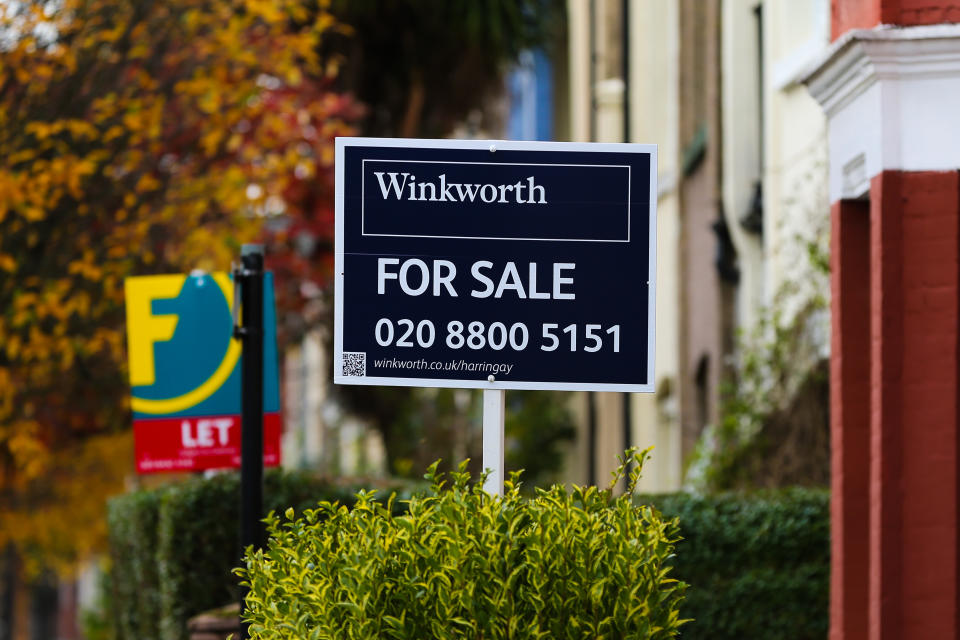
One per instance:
(796, 203)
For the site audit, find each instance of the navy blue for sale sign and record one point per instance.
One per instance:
(495, 265)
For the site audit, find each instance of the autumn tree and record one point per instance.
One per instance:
(135, 137)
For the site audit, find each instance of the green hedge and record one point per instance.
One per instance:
(135, 596)
(173, 549)
(758, 565)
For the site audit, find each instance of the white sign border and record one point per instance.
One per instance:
(491, 145)
(363, 219)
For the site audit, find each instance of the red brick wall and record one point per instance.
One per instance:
(886, 420)
(866, 14)
(917, 12)
(930, 218)
(853, 14)
(850, 417)
(913, 359)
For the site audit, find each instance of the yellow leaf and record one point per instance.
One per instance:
(294, 77)
(29, 452)
(13, 346)
(113, 132)
(23, 155)
(210, 140)
(40, 130)
(147, 183)
(131, 120)
(82, 129)
(34, 214)
(85, 167)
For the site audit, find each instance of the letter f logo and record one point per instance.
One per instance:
(143, 327)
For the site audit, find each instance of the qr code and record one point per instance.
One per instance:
(355, 364)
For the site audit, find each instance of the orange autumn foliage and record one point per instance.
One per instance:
(60, 521)
(135, 137)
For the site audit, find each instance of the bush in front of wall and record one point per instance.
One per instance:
(760, 563)
(463, 564)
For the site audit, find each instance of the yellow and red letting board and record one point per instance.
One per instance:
(185, 373)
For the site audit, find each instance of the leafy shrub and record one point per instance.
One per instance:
(174, 549)
(464, 564)
(759, 564)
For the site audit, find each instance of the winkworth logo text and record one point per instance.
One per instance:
(404, 186)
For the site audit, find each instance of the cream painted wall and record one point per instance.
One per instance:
(654, 119)
(793, 171)
(578, 29)
(655, 416)
(796, 173)
(794, 137)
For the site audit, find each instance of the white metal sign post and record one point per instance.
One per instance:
(495, 265)
(493, 420)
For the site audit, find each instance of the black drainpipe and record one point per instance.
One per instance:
(592, 77)
(625, 36)
(591, 396)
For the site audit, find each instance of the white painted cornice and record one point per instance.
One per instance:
(862, 56)
(892, 99)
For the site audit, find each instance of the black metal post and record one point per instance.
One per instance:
(251, 374)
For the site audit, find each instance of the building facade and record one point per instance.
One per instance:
(617, 95)
(742, 208)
